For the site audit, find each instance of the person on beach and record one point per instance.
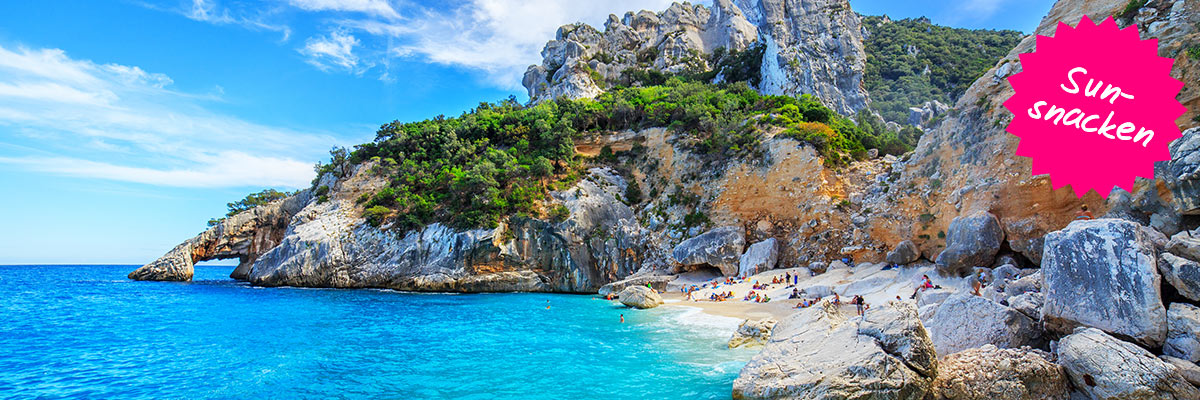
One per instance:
(858, 301)
(837, 300)
(926, 284)
(1083, 213)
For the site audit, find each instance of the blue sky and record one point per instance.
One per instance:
(125, 125)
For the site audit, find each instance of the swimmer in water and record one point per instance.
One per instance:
(622, 318)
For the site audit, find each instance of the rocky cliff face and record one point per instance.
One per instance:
(962, 167)
(811, 46)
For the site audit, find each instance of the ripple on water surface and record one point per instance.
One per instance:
(85, 332)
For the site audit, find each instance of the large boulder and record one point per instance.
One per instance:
(1183, 332)
(933, 296)
(1103, 273)
(1185, 245)
(752, 333)
(973, 240)
(1183, 275)
(1031, 283)
(904, 253)
(1104, 368)
(720, 248)
(1029, 304)
(1181, 175)
(759, 257)
(991, 373)
(965, 321)
(817, 353)
(640, 297)
(1189, 370)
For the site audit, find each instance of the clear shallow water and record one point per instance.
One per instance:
(87, 332)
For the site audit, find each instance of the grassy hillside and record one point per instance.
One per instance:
(912, 61)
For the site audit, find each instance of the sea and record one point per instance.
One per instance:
(85, 331)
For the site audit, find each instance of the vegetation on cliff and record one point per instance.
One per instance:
(911, 61)
(502, 158)
(264, 197)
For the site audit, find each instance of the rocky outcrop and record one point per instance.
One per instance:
(1104, 368)
(759, 257)
(640, 297)
(923, 115)
(904, 253)
(809, 47)
(973, 241)
(966, 321)
(991, 373)
(720, 248)
(244, 236)
(1029, 304)
(1183, 275)
(1103, 273)
(1189, 370)
(1183, 332)
(817, 353)
(1181, 175)
(752, 333)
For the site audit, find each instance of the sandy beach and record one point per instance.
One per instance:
(871, 281)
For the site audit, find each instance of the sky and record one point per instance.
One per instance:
(126, 124)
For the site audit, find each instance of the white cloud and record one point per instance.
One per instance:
(334, 51)
(209, 11)
(377, 8)
(119, 122)
(497, 37)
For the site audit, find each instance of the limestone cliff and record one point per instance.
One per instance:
(963, 166)
(811, 47)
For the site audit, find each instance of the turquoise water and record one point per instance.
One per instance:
(87, 332)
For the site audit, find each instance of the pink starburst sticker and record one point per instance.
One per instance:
(1094, 107)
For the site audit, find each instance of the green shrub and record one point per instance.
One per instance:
(376, 215)
(1132, 7)
(321, 191)
(633, 192)
(559, 213)
(1194, 52)
(322, 198)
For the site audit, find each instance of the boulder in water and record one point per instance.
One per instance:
(752, 333)
(640, 297)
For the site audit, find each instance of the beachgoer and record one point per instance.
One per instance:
(622, 318)
(837, 300)
(1083, 213)
(858, 301)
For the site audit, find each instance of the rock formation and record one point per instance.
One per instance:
(991, 373)
(973, 240)
(1183, 332)
(1104, 274)
(752, 333)
(817, 353)
(640, 297)
(1104, 368)
(965, 321)
(720, 248)
(810, 47)
(759, 257)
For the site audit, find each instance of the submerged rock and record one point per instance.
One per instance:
(1103, 273)
(817, 353)
(752, 333)
(967, 321)
(720, 248)
(973, 240)
(991, 373)
(640, 297)
(1104, 368)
